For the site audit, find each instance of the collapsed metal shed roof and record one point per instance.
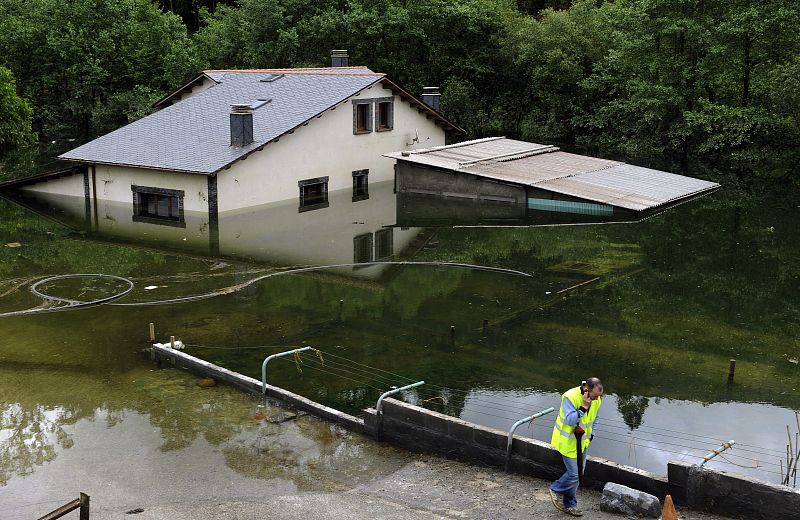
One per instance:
(546, 167)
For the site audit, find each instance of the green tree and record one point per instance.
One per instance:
(15, 116)
(89, 67)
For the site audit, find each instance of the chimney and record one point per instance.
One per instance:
(339, 58)
(241, 124)
(430, 96)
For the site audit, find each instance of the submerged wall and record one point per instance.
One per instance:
(420, 429)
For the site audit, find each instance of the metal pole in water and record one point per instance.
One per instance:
(172, 342)
(341, 306)
(452, 335)
(152, 332)
(731, 371)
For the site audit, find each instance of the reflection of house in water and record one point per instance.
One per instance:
(352, 229)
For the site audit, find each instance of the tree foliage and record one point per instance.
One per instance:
(88, 67)
(15, 116)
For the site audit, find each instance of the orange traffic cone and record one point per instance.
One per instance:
(669, 513)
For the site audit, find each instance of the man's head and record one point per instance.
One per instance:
(594, 386)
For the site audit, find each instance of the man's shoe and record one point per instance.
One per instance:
(574, 511)
(558, 500)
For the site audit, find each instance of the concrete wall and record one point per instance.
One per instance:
(432, 181)
(419, 429)
(731, 494)
(425, 430)
(325, 147)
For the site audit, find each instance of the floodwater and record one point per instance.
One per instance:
(655, 308)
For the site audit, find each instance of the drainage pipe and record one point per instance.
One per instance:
(517, 425)
(714, 453)
(273, 356)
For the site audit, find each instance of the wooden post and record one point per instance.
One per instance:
(172, 342)
(84, 507)
(152, 333)
(341, 306)
(452, 334)
(731, 371)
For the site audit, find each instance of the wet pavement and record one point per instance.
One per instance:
(425, 488)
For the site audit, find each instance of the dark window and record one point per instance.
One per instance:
(362, 248)
(158, 205)
(362, 117)
(385, 116)
(360, 185)
(313, 193)
(384, 243)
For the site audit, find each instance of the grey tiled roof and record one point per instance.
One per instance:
(193, 135)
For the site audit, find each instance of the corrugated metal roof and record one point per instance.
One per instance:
(530, 164)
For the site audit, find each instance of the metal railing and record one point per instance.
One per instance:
(517, 425)
(81, 503)
(273, 356)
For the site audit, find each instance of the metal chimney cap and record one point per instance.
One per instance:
(241, 108)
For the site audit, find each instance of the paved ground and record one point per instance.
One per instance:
(426, 488)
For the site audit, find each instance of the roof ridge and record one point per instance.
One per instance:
(343, 71)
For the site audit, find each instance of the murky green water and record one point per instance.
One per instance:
(655, 308)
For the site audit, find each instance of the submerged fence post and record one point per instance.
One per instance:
(84, 513)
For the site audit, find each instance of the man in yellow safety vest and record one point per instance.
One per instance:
(578, 415)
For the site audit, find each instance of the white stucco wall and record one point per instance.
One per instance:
(325, 147)
(71, 186)
(114, 184)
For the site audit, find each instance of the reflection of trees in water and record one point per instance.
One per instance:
(632, 409)
(36, 423)
(306, 452)
(28, 438)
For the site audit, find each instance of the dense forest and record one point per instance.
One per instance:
(707, 86)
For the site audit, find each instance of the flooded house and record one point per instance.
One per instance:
(229, 140)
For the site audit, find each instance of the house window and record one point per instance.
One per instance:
(158, 206)
(385, 115)
(360, 185)
(384, 244)
(362, 116)
(362, 248)
(313, 193)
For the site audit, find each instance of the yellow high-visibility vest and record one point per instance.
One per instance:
(564, 435)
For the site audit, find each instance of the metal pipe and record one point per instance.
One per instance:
(273, 356)
(714, 453)
(517, 425)
(391, 392)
